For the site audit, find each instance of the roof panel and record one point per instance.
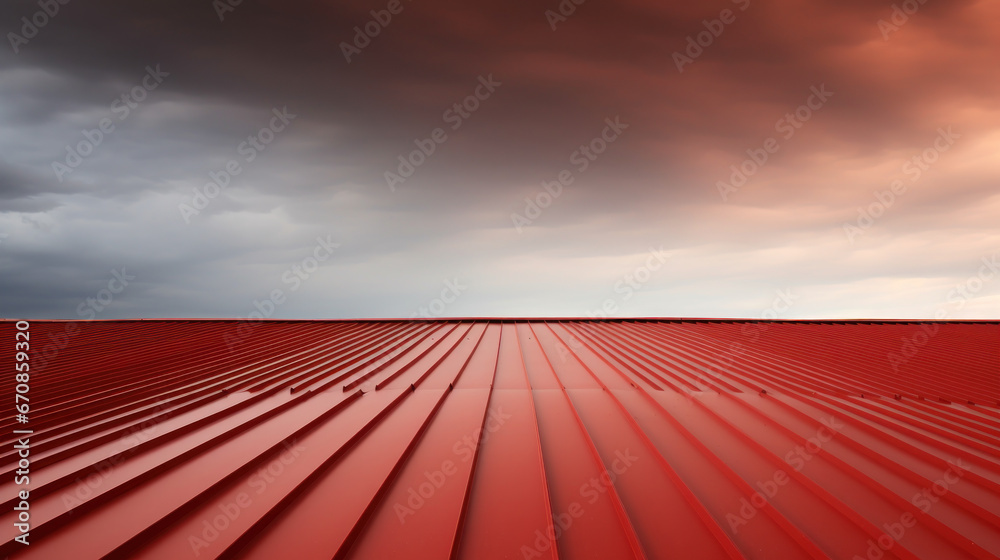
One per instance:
(508, 438)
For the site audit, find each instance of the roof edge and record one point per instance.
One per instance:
(522, 319)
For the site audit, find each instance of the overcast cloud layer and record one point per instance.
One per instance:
(840, 221)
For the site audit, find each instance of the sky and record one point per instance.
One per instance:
(398, 158)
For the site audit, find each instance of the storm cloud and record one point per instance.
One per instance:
(499, 158)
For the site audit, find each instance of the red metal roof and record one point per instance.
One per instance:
(485, 439)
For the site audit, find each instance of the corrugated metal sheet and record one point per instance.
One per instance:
(479, 439)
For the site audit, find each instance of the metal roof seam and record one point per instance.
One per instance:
(145, 431)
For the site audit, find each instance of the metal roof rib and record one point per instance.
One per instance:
(508, 438)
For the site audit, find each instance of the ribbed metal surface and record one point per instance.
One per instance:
(509, 439)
